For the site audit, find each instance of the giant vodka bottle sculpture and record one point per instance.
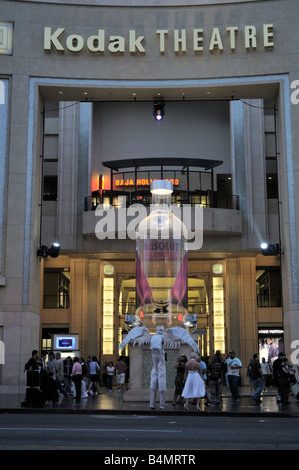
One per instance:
(161, 263)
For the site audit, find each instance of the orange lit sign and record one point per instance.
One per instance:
(100, 182)
(142, 182)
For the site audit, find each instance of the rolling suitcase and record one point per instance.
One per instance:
(34, 398)
(32, 377)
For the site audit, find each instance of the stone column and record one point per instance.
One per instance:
(79, 294)
(93, 305)
(20, 279)
(248, 310)
(67, 175)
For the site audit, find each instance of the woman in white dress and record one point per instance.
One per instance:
(194, 385)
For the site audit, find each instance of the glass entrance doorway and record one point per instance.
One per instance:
(199, 303)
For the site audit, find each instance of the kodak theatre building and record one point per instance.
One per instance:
(81, 83)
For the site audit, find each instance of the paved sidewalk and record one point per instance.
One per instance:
(114, 404)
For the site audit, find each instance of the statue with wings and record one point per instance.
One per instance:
(172, 338)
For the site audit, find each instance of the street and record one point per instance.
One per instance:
(110, 433)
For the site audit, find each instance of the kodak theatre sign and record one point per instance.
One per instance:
(181, 41)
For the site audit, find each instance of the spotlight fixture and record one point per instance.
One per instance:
(53, 251)
(132, 320)
(190, 321)
(158, 110)
(270, 249)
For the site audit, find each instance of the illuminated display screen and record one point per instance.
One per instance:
(65, 343)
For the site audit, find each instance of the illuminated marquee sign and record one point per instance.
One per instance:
(142, 182)
(199, 40)
(270, 332)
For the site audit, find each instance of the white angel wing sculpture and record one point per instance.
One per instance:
(172, 338)
(138, 335)
(175, 336)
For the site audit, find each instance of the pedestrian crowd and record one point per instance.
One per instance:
(54, 377)
(196, 378)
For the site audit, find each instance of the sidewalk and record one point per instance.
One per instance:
(114, 404)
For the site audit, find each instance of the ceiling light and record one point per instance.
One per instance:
(158, 110)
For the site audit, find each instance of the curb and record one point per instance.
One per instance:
(236, 414)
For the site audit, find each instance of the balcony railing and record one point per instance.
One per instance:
(56, 301)
(268, 301)
(117, 199)
(199, 308)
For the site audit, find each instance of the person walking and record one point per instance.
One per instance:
(32, 369)
(32, 364)
(120, 373)
(76, 375)
(275, 371)
(233, 373)
(284, 375)
(248, 373)
(67, 366)
(266, 371)
(227, 359)
(203, 367)
(194, 385)
(60, 374)
(110, 373)
(215, 372)
(87, 377)
(180, 366)
(94, 376)
(257, 379)
(51, 364)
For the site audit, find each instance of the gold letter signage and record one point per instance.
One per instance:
(196, 41)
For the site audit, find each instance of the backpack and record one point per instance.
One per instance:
(84, 369)
(215, 371)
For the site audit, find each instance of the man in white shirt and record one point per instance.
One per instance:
(233, 372)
